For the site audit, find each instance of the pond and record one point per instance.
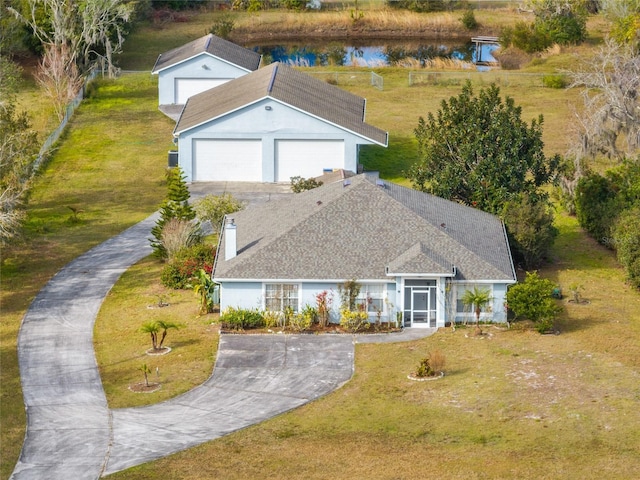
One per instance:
(372, 53)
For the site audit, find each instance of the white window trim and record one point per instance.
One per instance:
(264, 294)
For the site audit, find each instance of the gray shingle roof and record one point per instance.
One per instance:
(363, 231)
(287, 85)
(216, 46)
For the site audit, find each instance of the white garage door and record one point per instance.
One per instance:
(227, 160)
(307, 158)
(187, 87)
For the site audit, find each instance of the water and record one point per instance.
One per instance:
(370, 54)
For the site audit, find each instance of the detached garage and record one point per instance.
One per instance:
(271, 125)
(200, 65)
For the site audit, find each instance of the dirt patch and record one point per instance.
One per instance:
(144, 388)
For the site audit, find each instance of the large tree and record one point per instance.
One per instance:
(18, 152)
(478, 151)
(609, 124)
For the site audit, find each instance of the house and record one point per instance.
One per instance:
(200, 65)
(271, 125)
(414, 254)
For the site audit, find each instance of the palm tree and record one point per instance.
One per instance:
(152, 329)
(164, 325)
(476, 299)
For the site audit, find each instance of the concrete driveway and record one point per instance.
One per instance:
(72, 434)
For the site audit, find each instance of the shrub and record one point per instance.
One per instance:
(299, 184)
(354, 321)
(431, 365)
(437, 361)
(626, 237)
(533, 300)
(299, 322)
(596, 205)
(272, 319)
(178, 234)
(469, 20)
(213, 208)
(554, 81)
(529, 223)
(223, 26)
(180, 271)
(424, 369)
(526, 37)
(241, 319)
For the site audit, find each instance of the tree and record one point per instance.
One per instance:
(59, 77)
(176, 205)
(18, 154)
(533, 300)
(564, 21)
(476, 299)
(625, 16)
(597, 205)
(609, 124)
(478, 151)
(213, 208)
(152, 329)
(92, 30)
(626, 236)
(205, 288)
(530, 228)
(165, 326)
(299, 184)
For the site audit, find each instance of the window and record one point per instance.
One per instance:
(373, 297)
(278, 296)
(461, 308)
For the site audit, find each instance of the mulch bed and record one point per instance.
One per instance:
(144, 388)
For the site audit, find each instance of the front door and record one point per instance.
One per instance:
(420, 303)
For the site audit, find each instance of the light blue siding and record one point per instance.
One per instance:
(200, 66)
(282, 122)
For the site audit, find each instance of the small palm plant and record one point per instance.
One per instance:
(166, 326)
(477, 299)
(146, 371)
(159, 327)
(152, 329)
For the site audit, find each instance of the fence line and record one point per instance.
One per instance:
(499, 77)
(69, 110)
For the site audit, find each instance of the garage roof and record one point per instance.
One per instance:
(365, 228)
(289, 86)
(210, 44)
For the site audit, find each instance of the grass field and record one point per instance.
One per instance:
(515, 405)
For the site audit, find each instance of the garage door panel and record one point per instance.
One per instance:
(307, 158)
(188, 87)
(227, 160)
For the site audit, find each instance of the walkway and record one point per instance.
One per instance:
(72, 434)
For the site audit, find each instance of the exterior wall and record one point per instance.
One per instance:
(250, 295)
(498, 295)
(280, 122)
(201, 66)
(243, 295)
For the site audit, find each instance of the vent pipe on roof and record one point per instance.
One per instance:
(230, 242)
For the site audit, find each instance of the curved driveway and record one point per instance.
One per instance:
(72, 434)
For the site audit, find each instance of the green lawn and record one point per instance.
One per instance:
(514, 405)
